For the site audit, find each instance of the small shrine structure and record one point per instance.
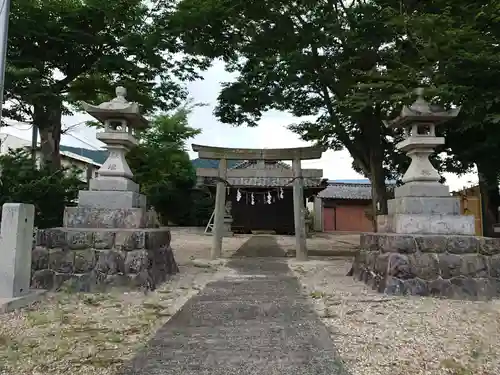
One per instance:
(424, 246)
(110, 238)
(264, 193)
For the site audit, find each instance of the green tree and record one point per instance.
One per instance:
(163, 169)
(50, 191)
(339, 63)
(62, 52)
(460, 42)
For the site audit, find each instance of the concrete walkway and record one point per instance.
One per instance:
(257, 323)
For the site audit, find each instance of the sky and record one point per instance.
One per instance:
(272, 132)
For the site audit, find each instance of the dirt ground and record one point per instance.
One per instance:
(323, 243)
(95, 333)
(81, 333)
(374, 334)
(379, 335)
(189, 242)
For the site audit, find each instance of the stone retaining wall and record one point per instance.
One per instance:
(92, 259)
(451, 266)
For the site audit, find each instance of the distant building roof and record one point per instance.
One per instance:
(347, 191)
(211, 163)
(98, 156)
(355, 181)
(352, 190)
(364, 181)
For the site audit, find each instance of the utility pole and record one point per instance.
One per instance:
(4, 37)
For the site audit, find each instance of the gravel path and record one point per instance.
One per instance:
(260, 246)
(379, 335)
(254, 322)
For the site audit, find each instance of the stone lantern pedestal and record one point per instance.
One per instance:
(109, 238)
(424, 246)
(228, 221)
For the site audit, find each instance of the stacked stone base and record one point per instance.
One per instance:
(92, 259)
(447, 266)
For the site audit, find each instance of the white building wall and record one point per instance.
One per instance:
(8, 141)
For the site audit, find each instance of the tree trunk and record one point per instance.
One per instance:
(372, 131)
(490, 198)
(47, 117)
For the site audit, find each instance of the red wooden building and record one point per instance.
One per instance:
(343, 207)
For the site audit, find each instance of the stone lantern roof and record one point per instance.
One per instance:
(422, 112)
(118, 109)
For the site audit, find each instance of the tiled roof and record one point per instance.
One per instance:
(341, 190)
(363, 181)
(211, 163)
(267, 165)
(347, 191)
(98, 156)
(354, 181)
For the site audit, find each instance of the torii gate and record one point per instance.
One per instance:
(296, 155)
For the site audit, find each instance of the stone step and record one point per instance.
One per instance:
(111, 199)
(113, 184)
(429, 243)
(424, 205)
(102, 238)
(422, 189)
(89, 217)
(426, 224)
(91, 259)
(450, 266)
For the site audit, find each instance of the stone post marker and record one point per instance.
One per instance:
(424, 246)
(15, 249)
(16, 244)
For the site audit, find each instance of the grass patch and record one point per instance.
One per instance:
(317, 295)
(455, 367)
(153, 306)
(4, 340)
(38, 318)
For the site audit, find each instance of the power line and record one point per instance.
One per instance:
(87, 143)
(70, 127)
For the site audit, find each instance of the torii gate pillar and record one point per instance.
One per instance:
(299, 211)
(220, 203)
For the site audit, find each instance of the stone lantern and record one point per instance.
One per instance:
(109, 239)
(121, 119)
(420, 121)
(423, 204)
(424, 245)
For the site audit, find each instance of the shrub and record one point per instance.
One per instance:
(47, 189)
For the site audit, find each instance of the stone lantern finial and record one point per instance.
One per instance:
(121, 92)
(419, 91)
